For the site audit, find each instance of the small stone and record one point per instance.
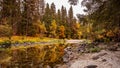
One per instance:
(95, 58)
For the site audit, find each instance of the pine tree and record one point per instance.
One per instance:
(30, 14)
(53, 11)
(59, 17)
(70, 15)
(47, 17)
(63, 15)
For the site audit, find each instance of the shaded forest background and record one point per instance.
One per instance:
(35, 18)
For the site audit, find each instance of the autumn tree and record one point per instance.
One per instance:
(42, 29)
(53, 28)
(77, 33)
(61, 31)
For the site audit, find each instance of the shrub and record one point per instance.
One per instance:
(96, 49)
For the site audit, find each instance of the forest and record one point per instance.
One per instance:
(31, 31)
(35, 18)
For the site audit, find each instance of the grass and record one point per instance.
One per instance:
(24, 39)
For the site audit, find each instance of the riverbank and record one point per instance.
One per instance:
(107, 57)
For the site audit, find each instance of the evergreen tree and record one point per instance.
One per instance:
(47, 17)
(63, 15)
(69, 28)
(53, 11)
(59, 17)
(30, 14)
(70, 14)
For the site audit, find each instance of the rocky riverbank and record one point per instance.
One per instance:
(78, 56)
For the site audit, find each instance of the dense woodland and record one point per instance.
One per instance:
(35, 18)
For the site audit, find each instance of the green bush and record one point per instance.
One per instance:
(96, 49)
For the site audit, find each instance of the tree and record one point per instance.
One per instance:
(39, 28)
(41, 8)
(77, 33)
(47, 17)
(61, 31)
(42, 29)
(101, 14)
(53, 28)
(82, 19)
(30, 12)
(59, 17)
(53, 11)
(63, 15)
(99, 11)
(70, 23)
(70, 14)
(10, 11)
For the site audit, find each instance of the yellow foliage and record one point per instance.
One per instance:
(77, 25)
(53, 28)
(53, 25)
(23, 39)
(79, 33)
(110, 34)
(100, 36)
(62, 31)
(88, 30)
